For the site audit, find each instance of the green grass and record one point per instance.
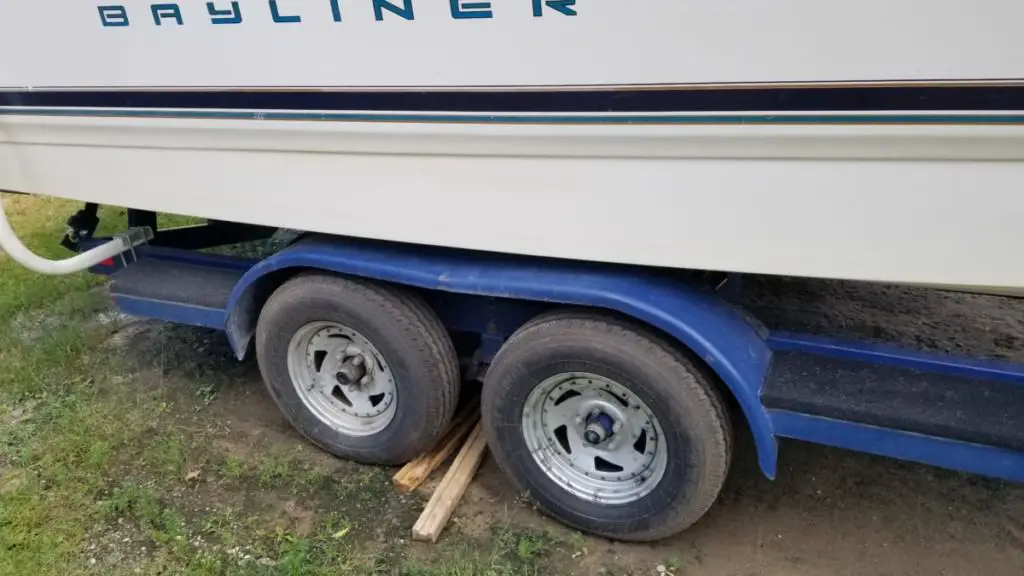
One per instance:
(510, 552)
(111, 459)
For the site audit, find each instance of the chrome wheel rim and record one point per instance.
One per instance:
(342, 378)
(594, 438)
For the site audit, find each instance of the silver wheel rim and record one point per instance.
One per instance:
(566, 413)
(342, 378)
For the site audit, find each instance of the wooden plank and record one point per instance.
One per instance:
(444, 500)
(415, 473)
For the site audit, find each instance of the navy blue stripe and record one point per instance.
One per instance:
(533, 119)
(784, 99)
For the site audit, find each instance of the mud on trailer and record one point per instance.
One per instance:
(610, 394)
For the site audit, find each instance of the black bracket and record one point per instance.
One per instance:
(81, 226)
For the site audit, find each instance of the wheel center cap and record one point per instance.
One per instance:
(351, 372)
(599, 428)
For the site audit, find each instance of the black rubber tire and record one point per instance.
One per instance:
(688, 407)
(405, 331)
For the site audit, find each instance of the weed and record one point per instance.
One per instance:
(274, 469)
(235, 467)
(206, 393)
(168, 454)
(294, 558)
(162, 524)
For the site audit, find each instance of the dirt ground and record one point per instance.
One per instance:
(828, 512)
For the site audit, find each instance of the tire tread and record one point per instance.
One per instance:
(420, 328)
(653, 348)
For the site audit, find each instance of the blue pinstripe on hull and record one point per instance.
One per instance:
(755, 119)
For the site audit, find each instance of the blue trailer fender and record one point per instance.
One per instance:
(730, 344)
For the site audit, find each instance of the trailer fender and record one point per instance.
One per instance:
(729, 343)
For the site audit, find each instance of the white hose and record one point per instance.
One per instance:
(10, 244)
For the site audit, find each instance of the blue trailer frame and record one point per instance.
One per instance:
(958, 413)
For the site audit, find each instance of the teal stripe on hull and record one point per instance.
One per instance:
(756, 119)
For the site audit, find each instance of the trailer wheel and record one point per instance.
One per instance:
(364, 370)
(606, 426)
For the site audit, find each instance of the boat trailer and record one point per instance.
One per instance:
(610, 393)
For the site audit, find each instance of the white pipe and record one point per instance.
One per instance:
(10, 244)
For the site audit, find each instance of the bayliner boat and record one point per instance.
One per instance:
(866, 141)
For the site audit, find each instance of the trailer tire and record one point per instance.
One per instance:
(308, 337)
(632, 372)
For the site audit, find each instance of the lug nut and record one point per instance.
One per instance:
(357, 361)
(364, 380)
(616, 427)
(578, 419)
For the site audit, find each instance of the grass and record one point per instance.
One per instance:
(128, 459)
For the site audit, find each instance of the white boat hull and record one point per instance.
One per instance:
(791, 200)
(612, 135)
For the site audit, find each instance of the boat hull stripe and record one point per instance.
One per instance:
(669, 100)
(613, 119)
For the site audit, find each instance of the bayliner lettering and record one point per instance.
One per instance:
(229, 13)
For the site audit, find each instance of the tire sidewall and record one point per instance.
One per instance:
(505, 397)
(278, 325)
